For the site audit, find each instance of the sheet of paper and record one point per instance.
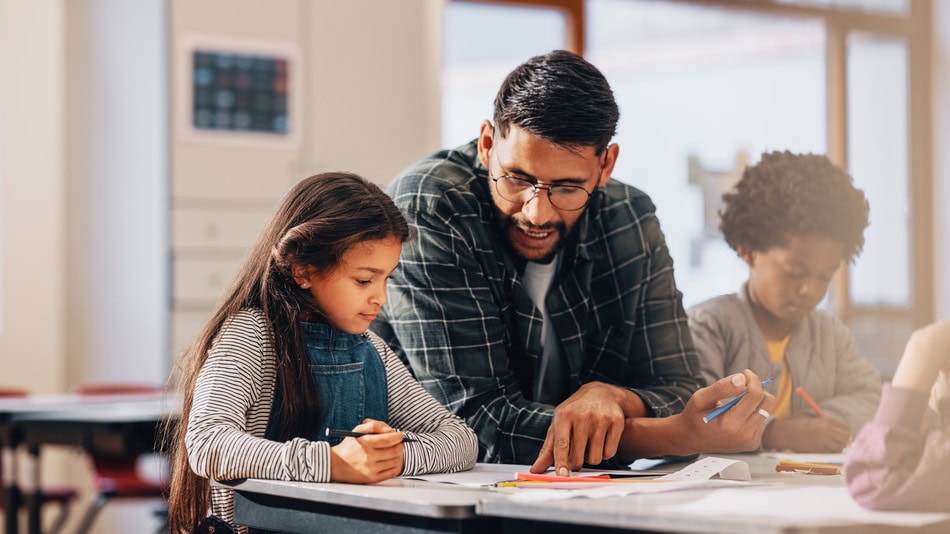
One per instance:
(647, 464)
(785, 503)
(540, 493)
(489, 474)
(837, 458)
(706, 468)
(480, 475)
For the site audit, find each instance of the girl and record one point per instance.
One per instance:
(287, 356)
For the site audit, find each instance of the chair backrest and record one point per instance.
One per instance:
(11, 393)
(116, 388)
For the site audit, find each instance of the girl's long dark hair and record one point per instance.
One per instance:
(315, 224)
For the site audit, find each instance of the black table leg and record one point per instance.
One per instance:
(33, 489)
(11, 492)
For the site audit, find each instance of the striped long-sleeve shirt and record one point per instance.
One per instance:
(232, 404)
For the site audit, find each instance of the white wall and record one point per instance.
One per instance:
(117, 174)
(32, 213)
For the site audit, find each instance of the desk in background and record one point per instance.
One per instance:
(125, 424)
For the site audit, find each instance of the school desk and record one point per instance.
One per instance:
(112, 424)
(415, 506)
(393, 506)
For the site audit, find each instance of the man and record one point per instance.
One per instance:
(537, 298)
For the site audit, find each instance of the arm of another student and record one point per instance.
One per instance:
(229, 385)
(443, 311)
(891, 465)
(444, 443)
(857, 388)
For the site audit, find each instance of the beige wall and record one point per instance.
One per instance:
(32, 194)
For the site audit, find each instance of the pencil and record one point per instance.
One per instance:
(332, 432)
(725, 407)
(809, 401)
(809, 467)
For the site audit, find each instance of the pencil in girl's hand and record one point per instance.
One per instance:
(809, 401)
(332, 432)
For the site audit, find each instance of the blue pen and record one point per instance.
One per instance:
(725, 407)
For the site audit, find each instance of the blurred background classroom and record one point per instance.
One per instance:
(143, 144)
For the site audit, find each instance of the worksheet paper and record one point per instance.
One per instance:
(490, 474)
(540, 494)
(798, 505)
(698, 474)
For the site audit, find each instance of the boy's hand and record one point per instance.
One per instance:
(804, 433)
(369, 459)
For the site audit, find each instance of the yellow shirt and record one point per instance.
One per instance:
(783, 392)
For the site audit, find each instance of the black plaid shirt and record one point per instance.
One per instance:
(459, 315)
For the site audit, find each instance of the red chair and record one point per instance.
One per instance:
(117, 476)
(63, 496)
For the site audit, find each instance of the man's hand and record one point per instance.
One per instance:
(737, 430)
(587, 426)
(804, 433)
(368, 459)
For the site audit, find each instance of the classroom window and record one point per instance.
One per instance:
(881, 6)
(504, 37)
(878, 160)
(702, 93)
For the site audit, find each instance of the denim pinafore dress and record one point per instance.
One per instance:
(350, 379)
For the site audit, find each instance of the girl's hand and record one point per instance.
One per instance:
(369, 459)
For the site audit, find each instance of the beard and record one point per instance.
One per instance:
(509, 224)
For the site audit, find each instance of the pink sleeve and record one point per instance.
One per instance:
(891, 465)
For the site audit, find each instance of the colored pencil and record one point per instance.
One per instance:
(727, 406)
(810, 401)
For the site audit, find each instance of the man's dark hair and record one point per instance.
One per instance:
(789, 194)
(561, 98)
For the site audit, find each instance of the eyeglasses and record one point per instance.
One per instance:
(519, 191)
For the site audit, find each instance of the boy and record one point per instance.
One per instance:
(793, 219)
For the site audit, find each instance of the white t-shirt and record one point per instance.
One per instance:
(551, 382)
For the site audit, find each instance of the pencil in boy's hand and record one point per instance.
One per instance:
(332, 432)
(725, 407)
(809, 401)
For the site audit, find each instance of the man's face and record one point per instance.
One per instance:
(535, 229)
(786, 282)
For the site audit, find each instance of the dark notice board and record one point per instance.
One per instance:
(240, 92)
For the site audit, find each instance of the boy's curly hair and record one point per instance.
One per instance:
(787, 194)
